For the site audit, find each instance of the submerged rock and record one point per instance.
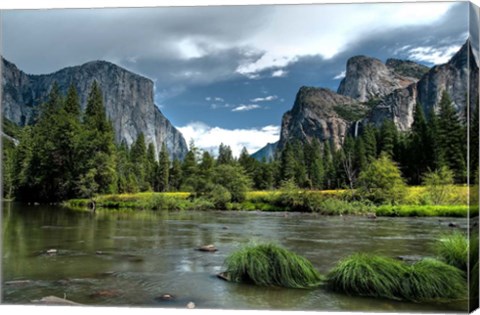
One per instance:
(166, 297)
(51, 252)
(207, 248)
(191, 305)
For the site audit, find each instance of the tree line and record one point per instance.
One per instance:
(68, 153)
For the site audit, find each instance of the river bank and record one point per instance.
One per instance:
(326, 202)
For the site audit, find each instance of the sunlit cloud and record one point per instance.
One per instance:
(209, 138)
(244, 108)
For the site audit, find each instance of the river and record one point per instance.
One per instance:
(129, 258)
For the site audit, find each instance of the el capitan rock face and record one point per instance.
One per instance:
(128, 100)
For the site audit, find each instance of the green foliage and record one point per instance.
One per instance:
(451, 138)
(460, 211)
(219, 196)
(271, 265)
(439, 184)
(378, 276)
(349, 112)
(382, 182)
(453, 250)
(224, 155)
(163, 171)
(234, 179)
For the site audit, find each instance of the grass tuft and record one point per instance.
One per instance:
(453, 250)
(431, 279)
(365, 275)
(378, 276)
(271, 265)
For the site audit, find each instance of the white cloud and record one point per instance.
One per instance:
(219, 99)
(244, 108)
(209, 138)
(341, 75)
(327, 29)
(279, 73)
(264, 99)
(433, 55)
(208, 98)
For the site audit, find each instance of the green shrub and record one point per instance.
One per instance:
(366, 275)
(219, 196)
(453, 250)
(271, 265)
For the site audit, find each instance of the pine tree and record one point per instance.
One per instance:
(388, 138)
(287, 163)
(328, 166)
(474, 143)
(151, 167)
(190, 168)
(248, 163)
(98, 175)
(206, 166)
(451, 138)
(138, 156)
(163, 173)
(370, 143)
(224, 154)
(175, 175)
(419, 147)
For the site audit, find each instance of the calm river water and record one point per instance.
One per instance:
(127, 258)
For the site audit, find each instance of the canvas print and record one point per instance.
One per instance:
(315, 157)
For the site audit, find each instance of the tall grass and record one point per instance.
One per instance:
(453, 250)
(271, 265)
(431, 279)
(378, 276)
(366, 275)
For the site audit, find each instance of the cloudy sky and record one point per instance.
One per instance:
(227, 74)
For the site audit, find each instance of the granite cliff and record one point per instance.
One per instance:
(373, 92)
(128, 100)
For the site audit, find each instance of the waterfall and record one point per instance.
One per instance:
(355, 133)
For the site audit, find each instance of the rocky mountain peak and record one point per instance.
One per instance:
(368, 78)
(319, 113)
(407, 68)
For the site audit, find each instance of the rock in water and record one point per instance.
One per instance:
(190, 305)
(207, 248)
(128, 100)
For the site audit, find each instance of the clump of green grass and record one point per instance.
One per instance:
(431, 279)
(366, 275)
(473, 271)
(453, 250)
(271, 265)
(378, 276)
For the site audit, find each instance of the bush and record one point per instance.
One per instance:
(439, 184)
(381, 182)
(219, 196)
(271, 265)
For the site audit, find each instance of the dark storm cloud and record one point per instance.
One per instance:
(67, 37)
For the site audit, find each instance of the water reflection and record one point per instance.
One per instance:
(132, 258)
